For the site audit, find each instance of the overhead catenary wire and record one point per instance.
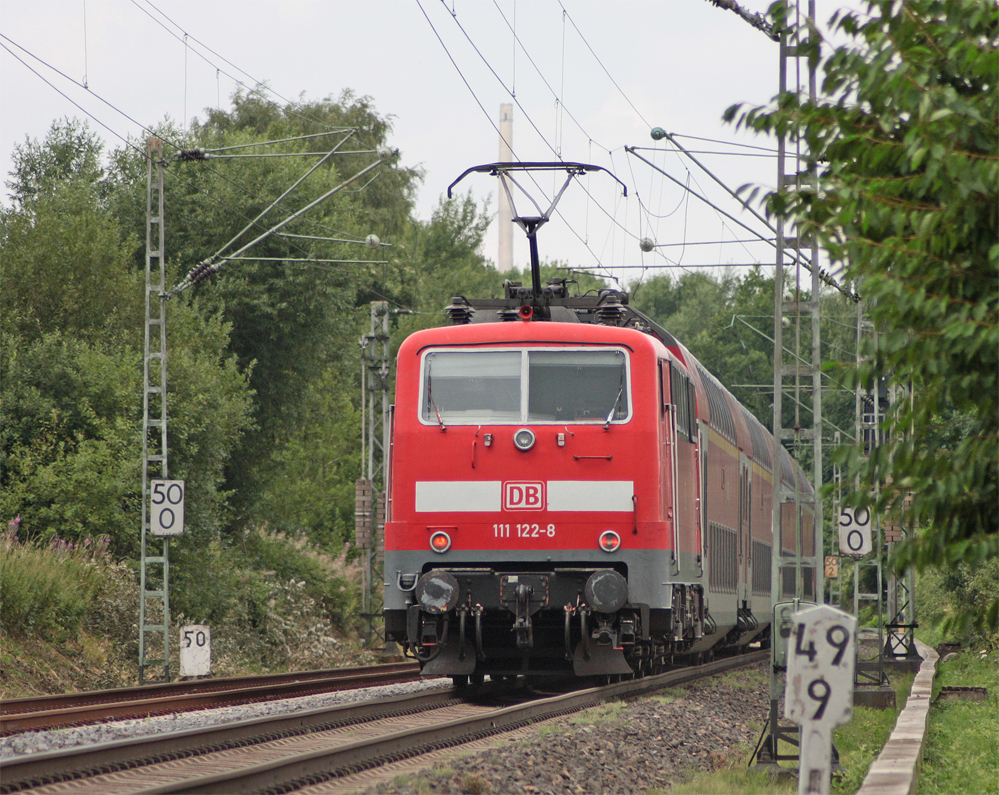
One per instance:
(113, 132)
(309, 259)
(606, 72)
(608, 213)
(332, 131)
(199, 154)
(485, 113)
(711, 204)
(280, 198)
(737, 144)
(553, 148)
(208, 267)
(129, 144)
(607, 207)
(825, 277)
(183, 154)
(251, 90)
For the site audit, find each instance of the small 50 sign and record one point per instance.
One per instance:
(166, 507)
(195, 650)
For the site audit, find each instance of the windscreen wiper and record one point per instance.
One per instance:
(430, 395)
(613, 408)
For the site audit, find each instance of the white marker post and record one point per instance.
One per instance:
(819, 694)
(195, 650)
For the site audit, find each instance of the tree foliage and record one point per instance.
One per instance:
(70, 152)
(906, 138)
(71, 362)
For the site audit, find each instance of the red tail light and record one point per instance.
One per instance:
(609, 541)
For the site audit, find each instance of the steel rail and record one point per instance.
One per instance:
(31, 770)
(307, 768)
(46, 712)
(332, 760)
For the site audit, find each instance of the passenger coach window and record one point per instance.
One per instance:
(558, 386)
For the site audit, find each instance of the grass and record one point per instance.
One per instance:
(69, 613)
(608, 712)
(962, 745)
(734, 778)
(858, 743)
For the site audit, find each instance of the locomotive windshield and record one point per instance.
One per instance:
(464, 387)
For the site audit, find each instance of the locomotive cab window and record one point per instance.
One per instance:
(576, 386)
(537, 386)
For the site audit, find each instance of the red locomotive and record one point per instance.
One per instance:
(571, 491)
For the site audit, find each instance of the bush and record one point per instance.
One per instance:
(330, 580)
(948, 602)
(273, 601)
(48, 593)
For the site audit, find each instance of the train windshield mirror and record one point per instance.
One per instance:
(576, 386)
(510, 386)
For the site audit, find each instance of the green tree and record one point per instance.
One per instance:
(440, 258)
(70, 152)
(906, 138)
(66, 267)
(726, 321)
(71, 363)
(292, 322)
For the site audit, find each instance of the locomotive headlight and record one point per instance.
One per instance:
(524, 439)
(440, 541)
(437, 592)
(606, 591)
(609, 541)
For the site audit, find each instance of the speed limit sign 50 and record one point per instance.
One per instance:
(166, 507)
(855, 532)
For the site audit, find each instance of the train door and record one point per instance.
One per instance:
(667, 456)
(745, 544)
(702, 460)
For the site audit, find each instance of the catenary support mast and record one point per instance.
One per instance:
(796, 571)
(372, 488)
(154, 561)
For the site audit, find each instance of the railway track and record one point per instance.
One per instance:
(283, 753)
(49, 712)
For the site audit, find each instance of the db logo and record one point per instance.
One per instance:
(521, 496)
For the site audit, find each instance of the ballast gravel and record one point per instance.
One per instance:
(621, 748)
(625, 748)
(58, 739)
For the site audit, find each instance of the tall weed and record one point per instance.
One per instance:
(48, 592)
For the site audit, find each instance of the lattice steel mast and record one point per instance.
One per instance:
(154, 591)
(796, 573)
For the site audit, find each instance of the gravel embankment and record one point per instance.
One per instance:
(43, 741)
(623, 749)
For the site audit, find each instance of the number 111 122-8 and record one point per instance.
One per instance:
(523, 531)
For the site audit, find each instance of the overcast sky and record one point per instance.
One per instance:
(586, 79)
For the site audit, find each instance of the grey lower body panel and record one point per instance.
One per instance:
(471, 613)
